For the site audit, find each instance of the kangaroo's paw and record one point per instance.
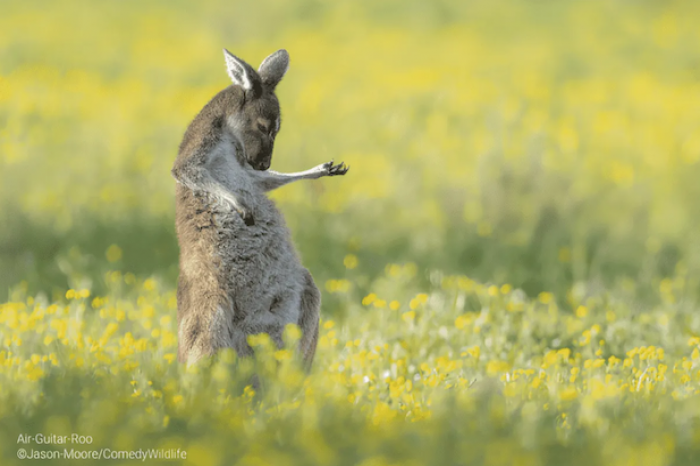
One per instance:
(245, 213)
(335, 170)
(247, 217)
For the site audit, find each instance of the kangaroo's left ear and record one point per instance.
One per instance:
(241, 73)
(273, 68)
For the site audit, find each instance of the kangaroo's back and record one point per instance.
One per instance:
(199, 288)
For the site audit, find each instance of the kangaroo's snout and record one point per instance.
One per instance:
(263, 165)
(265, 157)
(259, 152)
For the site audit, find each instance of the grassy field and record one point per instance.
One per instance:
(510, 271)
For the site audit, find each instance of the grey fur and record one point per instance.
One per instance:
(239, 272)
(274, 67)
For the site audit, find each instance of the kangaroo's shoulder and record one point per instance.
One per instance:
(209, 127)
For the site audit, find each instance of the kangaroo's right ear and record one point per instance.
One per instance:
(240, 72)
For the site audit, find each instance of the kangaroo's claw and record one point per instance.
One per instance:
(335, 170)
(247, 217)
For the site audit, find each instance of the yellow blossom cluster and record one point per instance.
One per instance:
(459, 361)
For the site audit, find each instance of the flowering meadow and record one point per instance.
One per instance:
(510, 270)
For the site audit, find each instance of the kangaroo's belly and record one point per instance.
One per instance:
(260, 270)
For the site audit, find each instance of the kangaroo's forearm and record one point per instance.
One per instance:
(269, 180)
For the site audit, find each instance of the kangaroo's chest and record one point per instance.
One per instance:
(254, 258)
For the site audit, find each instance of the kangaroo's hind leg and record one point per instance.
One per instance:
(308, 321)
(206, 318)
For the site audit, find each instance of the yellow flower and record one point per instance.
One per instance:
(462, 321)
(283, 355)
(568, 394)
(495, 367)
(369, 299)
(350, 261)
(114, 253)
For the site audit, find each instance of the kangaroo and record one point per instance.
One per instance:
(239, 272)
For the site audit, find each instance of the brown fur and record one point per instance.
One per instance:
(239, 273)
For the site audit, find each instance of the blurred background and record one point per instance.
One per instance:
(544, 144)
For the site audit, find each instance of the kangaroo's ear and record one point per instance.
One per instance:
(242, 74)
(273, 68)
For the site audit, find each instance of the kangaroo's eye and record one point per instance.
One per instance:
(263, 128)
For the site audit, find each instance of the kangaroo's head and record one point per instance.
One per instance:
(257, 120)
